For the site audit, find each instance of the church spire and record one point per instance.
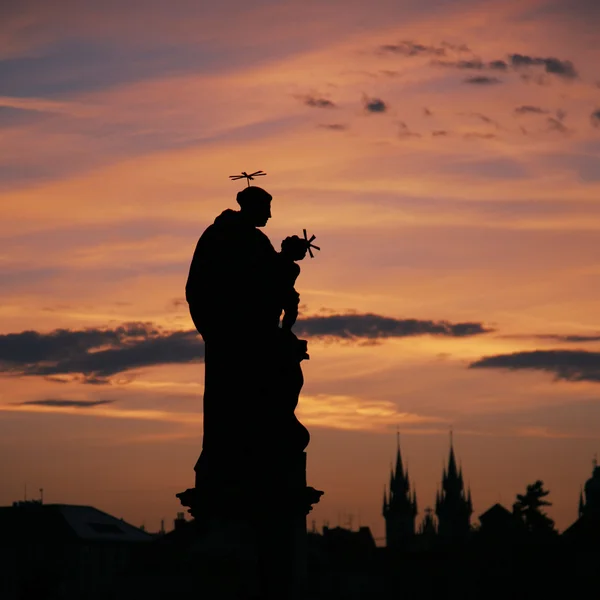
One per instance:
(454, 505)
(452, 470)
(400, 506)
(399, 465)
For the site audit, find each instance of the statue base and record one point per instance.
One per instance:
(260, 518)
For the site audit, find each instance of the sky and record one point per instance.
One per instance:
(446, 154)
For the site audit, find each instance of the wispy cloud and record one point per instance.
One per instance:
(334, 126)
(555, 337)
(66, 403)
(404, 131)
(476, 135)
(481, 80)
(557, 125)
(317, 101)
(411, 48)
(528, 109)
(343, 412)
(357, 414)
(109, 412)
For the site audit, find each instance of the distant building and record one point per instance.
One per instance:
(453, 505)
(399, 507)
(61, 550)
(591, 504)
(360, 540)
(585, 532)
(498, 524)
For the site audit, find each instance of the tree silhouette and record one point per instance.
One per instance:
(528, 508)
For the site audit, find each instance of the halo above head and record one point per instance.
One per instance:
(249, 177)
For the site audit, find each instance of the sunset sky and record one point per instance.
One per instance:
(445, 153)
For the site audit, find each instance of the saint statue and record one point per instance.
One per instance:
(242, 300)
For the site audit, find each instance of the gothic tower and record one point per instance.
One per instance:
(453, 506)
(399, 507)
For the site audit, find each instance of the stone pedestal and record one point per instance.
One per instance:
(258, 517)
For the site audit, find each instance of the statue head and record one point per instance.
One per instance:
(294, 247)
(255, 204)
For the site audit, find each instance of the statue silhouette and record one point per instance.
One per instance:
(252, 462)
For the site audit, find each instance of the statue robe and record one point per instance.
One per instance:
(252, 379)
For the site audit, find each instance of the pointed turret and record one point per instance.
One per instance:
(399, 466)
(400, 508)
(453, 506)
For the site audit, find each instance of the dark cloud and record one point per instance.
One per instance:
(498, 65)
(473, 135)
(567, 365)
(371, 326)
(375, 105)
(334, 126)
(456, 47)
(551, 65)
(481, 80)
(473, 63)
(67, 403)
(528, 109)
(554, 66)
(595, 118)
(93, 355)
(409, 48)
(440, 133)
(427, 112)
(557, 125)
(318, 102)
(556, 337)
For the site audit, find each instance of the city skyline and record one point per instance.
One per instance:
(446, 156)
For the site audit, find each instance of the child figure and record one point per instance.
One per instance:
(293, 249)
